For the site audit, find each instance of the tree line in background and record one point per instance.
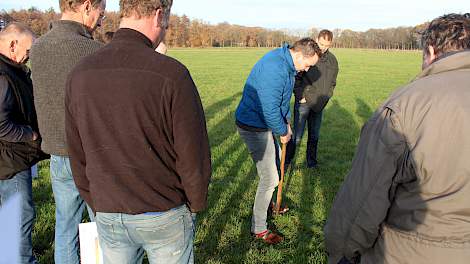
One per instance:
(186, 32)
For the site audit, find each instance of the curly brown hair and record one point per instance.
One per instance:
(71, 5)
(447, 33)
(307, 46)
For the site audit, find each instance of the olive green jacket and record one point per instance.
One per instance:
(407, 196)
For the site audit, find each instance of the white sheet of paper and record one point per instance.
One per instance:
(90, 250)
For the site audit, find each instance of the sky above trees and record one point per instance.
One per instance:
(358, 15)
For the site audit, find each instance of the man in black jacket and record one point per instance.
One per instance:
(312, 91)
(19, 139)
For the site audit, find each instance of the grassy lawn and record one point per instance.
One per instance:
(365, 79)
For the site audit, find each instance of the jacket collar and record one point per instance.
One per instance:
(71, 26)
(9, 63)
(131, 35)
(288, 57)
(324, 56)
(448, 62)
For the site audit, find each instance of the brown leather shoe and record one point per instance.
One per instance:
(269, 237)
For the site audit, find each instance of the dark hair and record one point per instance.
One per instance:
(326, 34)
(449, 32)
(70, 5)
(307, 46)
(108, 36)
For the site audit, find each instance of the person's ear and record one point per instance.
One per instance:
(432, 53)
(158, 18)
(87, 7)
(12, 47)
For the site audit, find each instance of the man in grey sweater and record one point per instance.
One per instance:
(52, 58)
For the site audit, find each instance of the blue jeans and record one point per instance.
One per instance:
(304, 115)
(69, 208)
(262, 147)
(21, 183)
(167, 237)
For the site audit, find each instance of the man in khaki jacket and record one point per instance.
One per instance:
(407, 196)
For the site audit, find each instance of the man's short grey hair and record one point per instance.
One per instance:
(145, 8)
(15, 30)
(307, 46)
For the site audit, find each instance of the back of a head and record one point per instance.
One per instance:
(15, 42)
(14, 31)
(71, 5)
(447, 33)
(326, 35)
(143, 8)
(307, 46)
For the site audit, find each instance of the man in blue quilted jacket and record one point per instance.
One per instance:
(264, 113)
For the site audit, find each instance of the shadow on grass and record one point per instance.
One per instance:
(227, 222)
(220, 242)
(318, 186)
(363, 110)
(216, 238)
(211, 111)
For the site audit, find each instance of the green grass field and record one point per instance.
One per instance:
(365, 79)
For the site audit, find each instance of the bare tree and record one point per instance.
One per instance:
(185, 32)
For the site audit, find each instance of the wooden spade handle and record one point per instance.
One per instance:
(279, 187)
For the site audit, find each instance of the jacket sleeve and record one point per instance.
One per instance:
(335, 74)
(9, 130)
(298, 85)
(191, 143)
(271, 92)
(362, 203)
(286, 96)
(74, 145)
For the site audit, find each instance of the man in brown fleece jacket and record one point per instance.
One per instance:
(138, 142)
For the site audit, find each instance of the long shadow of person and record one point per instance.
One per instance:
(232, 181)
(363, 110)
(317, 187)
(311, 191)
